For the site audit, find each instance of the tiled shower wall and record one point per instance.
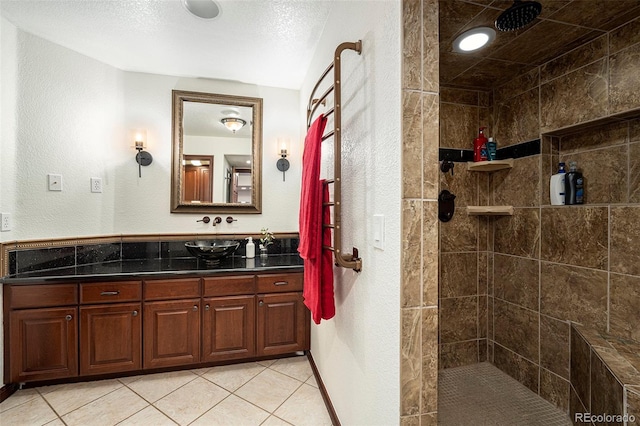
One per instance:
(546, 265)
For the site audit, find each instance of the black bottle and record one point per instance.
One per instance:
(573, 185)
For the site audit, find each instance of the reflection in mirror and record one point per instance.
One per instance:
(217, 146)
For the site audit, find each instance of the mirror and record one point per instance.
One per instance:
(217, 153)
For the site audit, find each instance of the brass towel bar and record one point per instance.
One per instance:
(352, 260)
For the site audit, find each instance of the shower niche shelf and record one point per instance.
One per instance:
(490, 166)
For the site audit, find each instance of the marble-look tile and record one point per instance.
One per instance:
(617, 365)
(56, 422)
(517, 119)
(624, 36)
(576, 235)
(609, 399)
(634, 173)
(518, 235)
(554, 389)
(485, 119)
(412, 44)
(430, 145)
(516, 280)
(575, 294)
(68, 397)
(297, 367)
(463, 184)
(152, 387)
(519, 186)
(485, 99)
(458, 274)
(274, 421)
(487, 72)
(430, 50)
(412, 216)
(574, 98)
(311, 381)
(483, 272)
(234, 411)
(458, 14)
(633, 401)
(33, 412)
(517, 367)
(20, 397)
(107, 410)
(148, 416)
(458, 125)
(583, 55)
(624, 315)
(454, 95)
(482, 317)
(458, 354)
(410, 421)
(430, 261)
(597, 13)
(412, 145)
(429, 419)
(304, 407)
(518, 85)
(458, 319)
(490, 319)
(624, 80)
(483, 348)
(555, 338)
(454, 64)
(429, 360)
(625, 240)
(576, 407)
(605, 174)
(281, 388)
(410, 362)
(460, 233)
(605, 136)
(581, 368)
(189, 402)
(231, 377)
(517, 329)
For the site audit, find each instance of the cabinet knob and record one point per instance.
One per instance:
(68, 317)
(260, 303)
(135, 313)
(206, 307)
(195, 307)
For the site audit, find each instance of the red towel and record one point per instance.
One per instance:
(318, 269)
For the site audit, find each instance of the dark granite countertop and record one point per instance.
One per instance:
(158, 268)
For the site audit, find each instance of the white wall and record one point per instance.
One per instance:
(357, 352)
(68, 114)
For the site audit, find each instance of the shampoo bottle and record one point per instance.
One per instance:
(573, 185)
(250, 248)
(479, 144)
(556, 186)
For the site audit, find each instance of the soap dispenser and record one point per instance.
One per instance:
(250, 248)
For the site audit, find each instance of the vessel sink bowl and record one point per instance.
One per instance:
(212, 251)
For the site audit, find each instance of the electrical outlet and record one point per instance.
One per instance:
(96, 185)
(55, 182)
(5, 221)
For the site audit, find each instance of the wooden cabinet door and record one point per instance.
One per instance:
(110, 338)
(44, 344)
(171, 333)
(283, 324)
(228, 328)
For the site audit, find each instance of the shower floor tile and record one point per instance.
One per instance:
(481, 394)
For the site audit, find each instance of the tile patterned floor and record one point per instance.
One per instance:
(481, 394)
(269, 393)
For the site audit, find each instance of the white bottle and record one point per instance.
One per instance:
(250, 248)
(556, 186)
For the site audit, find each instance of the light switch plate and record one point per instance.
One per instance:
(55, 182)
(378, 231)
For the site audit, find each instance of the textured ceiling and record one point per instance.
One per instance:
(261, 42)
(562, 26)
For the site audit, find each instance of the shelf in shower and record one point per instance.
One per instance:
(490, 166)
(490, 210)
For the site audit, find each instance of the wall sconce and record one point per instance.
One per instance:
(143, 158)
(232, 123)
(283, 163)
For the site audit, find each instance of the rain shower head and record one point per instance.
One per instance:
(519, 15)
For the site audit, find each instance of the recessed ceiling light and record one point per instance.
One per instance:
(474, 39)
(206, 9)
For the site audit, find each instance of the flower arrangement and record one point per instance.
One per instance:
(267, 237)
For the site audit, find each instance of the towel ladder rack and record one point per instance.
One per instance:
(351, 261)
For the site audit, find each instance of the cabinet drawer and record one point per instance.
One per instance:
(276, 283)
(123, 291)
(42, 296)
(184, 288)
(229, 286)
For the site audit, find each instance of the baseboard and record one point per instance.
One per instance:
(323, 391)
(7, 390)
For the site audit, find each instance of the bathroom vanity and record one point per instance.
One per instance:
(91, 324)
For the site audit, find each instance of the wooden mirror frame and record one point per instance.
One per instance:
(177, 206)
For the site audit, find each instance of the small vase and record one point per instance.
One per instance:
(263, 255)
